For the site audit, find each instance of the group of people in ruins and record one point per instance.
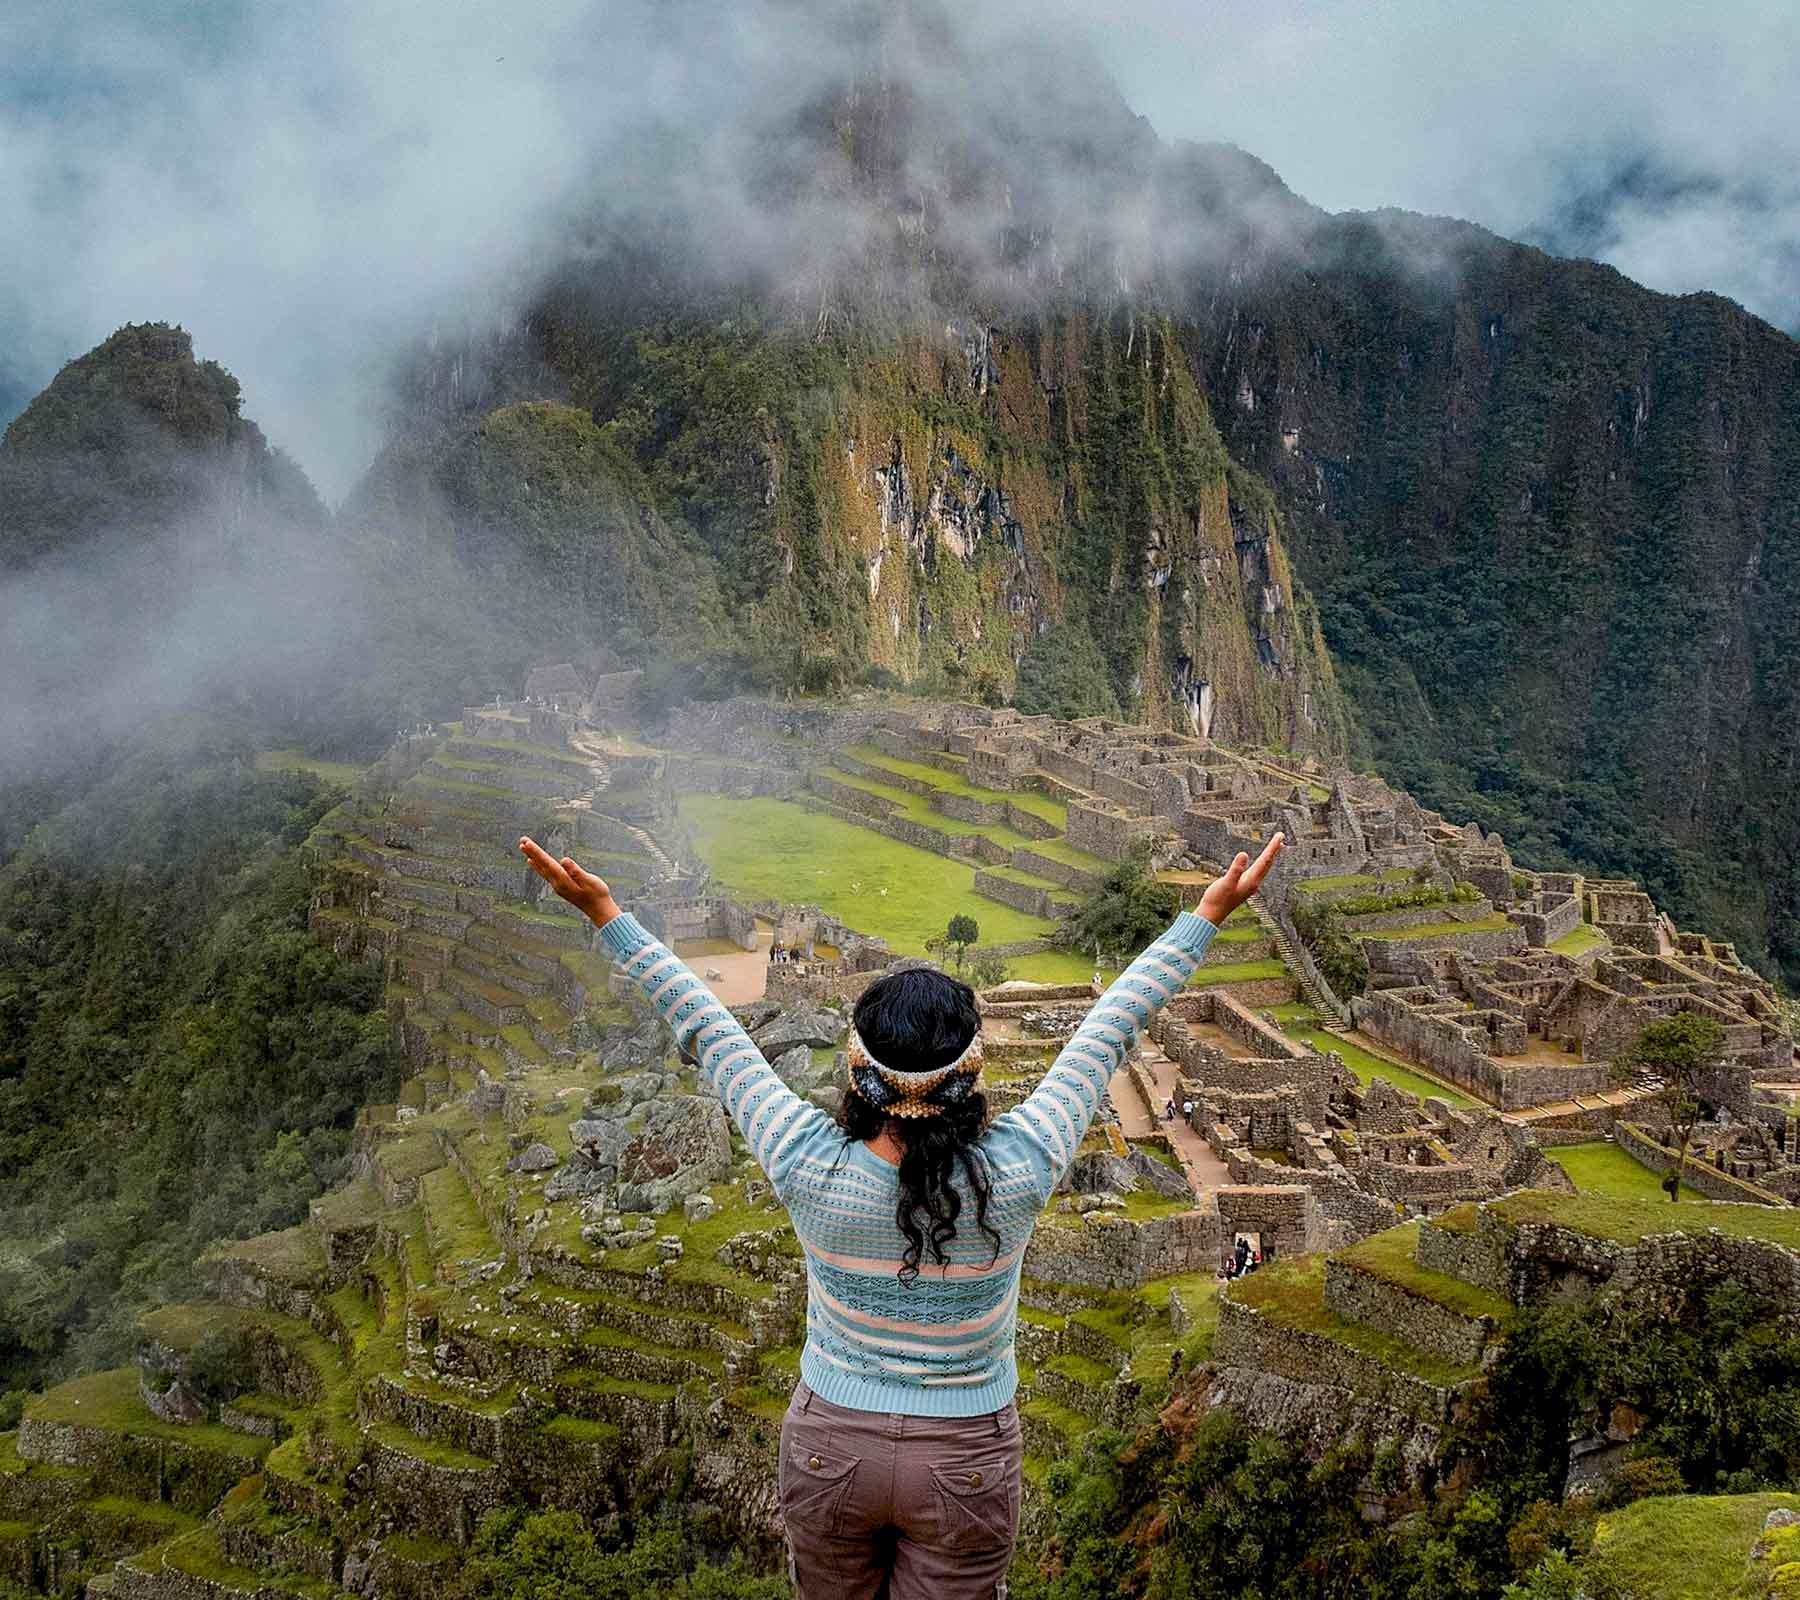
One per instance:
(785, 954)
(1243, 1257)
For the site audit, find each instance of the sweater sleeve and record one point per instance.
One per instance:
(776, 1122)
(1053, 1121)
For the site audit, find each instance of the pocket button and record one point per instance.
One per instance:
(974, 1480)
(814, 1463)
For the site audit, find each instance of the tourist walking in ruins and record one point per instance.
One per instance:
(900, 1456)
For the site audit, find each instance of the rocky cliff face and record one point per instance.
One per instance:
(919, 508)
(1554, 523)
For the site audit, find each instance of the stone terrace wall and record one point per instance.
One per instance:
(1376, 1303)
(989, 813)
(1416, 916)
(1246, 1338)
(1527, 1262)
(1491, 943)
(1107, 834)
(1110, 1252)
(1698, 1175)
(711, 775)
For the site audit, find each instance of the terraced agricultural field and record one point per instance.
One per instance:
(773, 849)
(1605, 1169)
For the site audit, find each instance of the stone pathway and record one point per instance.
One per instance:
(1585, 1102)
(1205, 1171)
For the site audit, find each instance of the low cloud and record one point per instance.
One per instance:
(1656, 134)
(313, 191)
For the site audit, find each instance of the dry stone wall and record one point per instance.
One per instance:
(1374, 1302)
(1698, 1175)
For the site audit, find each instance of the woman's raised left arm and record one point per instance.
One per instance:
(774, 1120)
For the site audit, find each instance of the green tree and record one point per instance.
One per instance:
(1063, 674)
(1129, 909)
(962, 932)
(1680, 1050)
(1339, 953)
(986, 971)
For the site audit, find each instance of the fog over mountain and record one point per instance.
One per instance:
(311, 193)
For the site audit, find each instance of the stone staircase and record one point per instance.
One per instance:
(1299, 962)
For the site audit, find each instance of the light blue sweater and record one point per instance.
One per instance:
(942, 1346)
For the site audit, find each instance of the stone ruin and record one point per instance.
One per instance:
(556, 1260)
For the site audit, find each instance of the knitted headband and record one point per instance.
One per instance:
(913, 1094)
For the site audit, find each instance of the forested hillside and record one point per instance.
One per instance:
(1553, 520)
(178, 1059)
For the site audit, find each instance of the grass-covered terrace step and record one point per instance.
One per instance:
(194, 1566)
(1276, 1320)
(101, 1425)
(1378, 1283)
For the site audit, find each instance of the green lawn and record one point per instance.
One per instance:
(1057, 966)
(1580, 939)
(1301, 1023)
(1605, 1169)
(776, 850)
(1236, 972)
(343, 773)
(1629, 1221)
(1435, 930)
(1052, 811)
(1685, 1547)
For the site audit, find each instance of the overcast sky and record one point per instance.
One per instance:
(1662, 136)
(309, 187)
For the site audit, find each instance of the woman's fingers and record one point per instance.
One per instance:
(545, 865)
(582, 878)
(1252, 880)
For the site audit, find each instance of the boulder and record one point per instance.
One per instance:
(698, 1207)
(808, 1025)
(795, 1068)
(574, 1182)
(672, 1148)
(1160, 1176)
(536, 1157)
(1099, 1170)
(757, 1014)
(643, 1047)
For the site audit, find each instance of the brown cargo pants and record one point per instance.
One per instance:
(884, 1506)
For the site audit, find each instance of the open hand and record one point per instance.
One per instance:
(1241, 880)
(580, 888)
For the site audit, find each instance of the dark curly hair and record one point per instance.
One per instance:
(913, 1021)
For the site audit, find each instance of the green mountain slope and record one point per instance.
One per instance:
(1554, 523)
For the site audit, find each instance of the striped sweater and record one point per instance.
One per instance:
(942, 1346)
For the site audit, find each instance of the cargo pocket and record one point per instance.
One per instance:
(814, 1485)
(978, 1501)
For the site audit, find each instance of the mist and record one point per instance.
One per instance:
(98, 642)
(317, 193)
